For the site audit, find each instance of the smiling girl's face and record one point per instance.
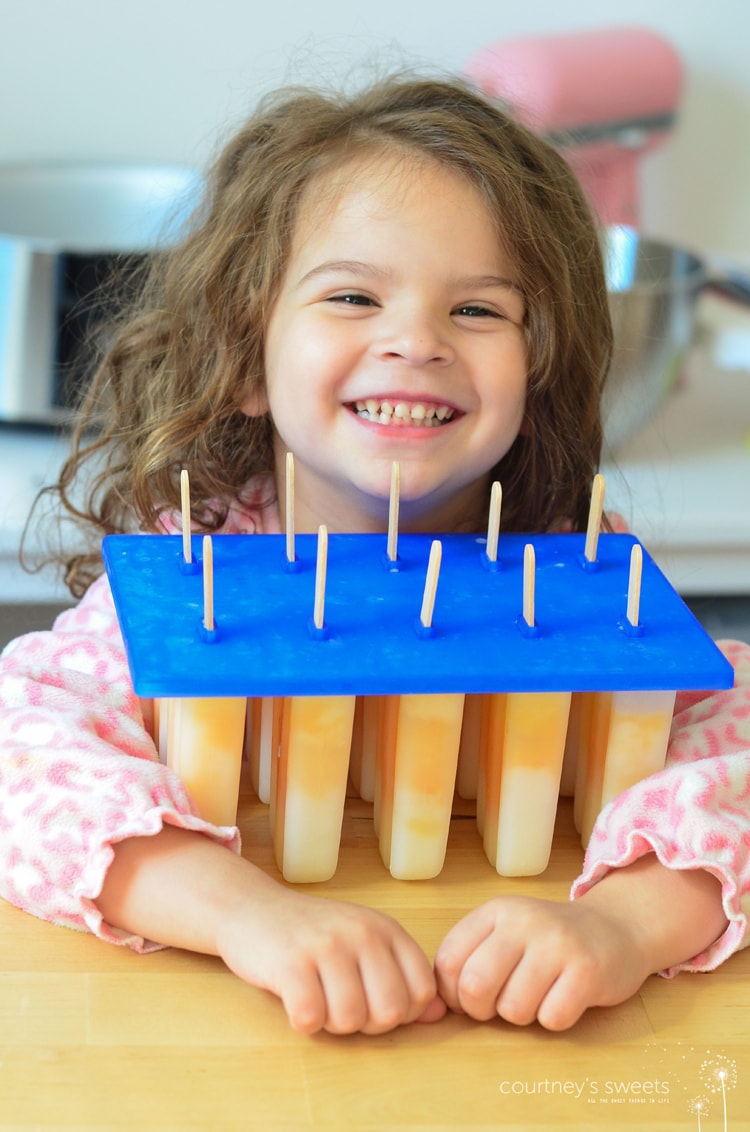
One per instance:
(397, 335)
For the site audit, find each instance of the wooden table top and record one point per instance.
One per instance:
(96, 1037)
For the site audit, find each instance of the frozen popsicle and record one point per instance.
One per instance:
(419, 739)
(263, 742)
(309, 785)
(467, 773)
(309, 777)
(625, 733)
(570, 756)
(473, 728)
(364, 746)
(624, 737)
(385, 759)
(522, 765)
(204, 746)
(160, 724)
(417, 781)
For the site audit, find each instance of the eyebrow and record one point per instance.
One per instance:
(353, 266)
(471, 281)
(357, 267)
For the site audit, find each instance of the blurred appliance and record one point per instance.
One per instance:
(604, 98)
(71, 237)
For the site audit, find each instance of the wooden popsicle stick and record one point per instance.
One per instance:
(634, 585)
(493, 528)
(187, 550)
(529, 583)
(289, 507)
(595, 518)
(393, 512)
(208, 584)
(320, 578)
(430, 585)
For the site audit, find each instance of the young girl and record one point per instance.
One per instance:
(404, 275)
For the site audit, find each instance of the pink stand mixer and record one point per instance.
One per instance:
(604, 98)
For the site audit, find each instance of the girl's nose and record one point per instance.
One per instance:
(416, 340)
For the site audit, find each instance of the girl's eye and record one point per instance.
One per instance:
(351, 298)
(474, 310)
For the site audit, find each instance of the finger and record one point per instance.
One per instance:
(579, 986)
(434, 1012)
(347, 1010)
(455, 950)
(563, 1004)
(303, 998)
(399, 984)
(485, 974)
(418, 974)
(527, 986)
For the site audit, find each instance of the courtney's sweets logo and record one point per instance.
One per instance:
(696, 1085)
(585, 1088)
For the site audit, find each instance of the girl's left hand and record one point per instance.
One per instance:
(524, 959)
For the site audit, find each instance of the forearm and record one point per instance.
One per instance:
(177, 887)
(670, 914)
(335, 966)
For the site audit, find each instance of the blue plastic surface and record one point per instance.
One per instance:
(263, 644)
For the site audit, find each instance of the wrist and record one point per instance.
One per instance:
(669, 915)
(176, 888)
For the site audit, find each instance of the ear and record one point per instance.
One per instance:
(254, 403)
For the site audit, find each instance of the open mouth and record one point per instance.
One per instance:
(401, 413)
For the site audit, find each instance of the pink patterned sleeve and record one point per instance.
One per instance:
(695, 814)
(78, 769)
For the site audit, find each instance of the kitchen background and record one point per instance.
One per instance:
(155, 80)
(163, 81)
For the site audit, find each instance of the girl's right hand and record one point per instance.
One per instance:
(335, 966)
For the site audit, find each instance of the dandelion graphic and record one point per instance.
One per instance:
(699, 1106)
(719, 1074)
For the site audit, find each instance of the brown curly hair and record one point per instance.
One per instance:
(165, 395)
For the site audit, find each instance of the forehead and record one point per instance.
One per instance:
(383, 185)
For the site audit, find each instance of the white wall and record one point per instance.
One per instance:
(158, 80)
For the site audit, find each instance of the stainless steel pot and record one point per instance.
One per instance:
(66, 231)
(653, 289)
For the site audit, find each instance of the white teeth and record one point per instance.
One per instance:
(401, 412)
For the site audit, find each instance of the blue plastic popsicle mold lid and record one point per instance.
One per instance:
(372, 641)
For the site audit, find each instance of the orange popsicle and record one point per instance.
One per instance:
(522, 767)
(624, 737)
(418, 784)
(204, 746)
(309, 785)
